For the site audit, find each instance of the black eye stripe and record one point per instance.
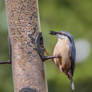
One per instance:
(65, 35)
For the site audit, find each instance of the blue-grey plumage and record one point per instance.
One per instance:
(72, 50)
(65, 47)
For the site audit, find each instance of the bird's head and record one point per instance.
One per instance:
(61, 34)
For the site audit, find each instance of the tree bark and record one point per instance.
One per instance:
(27, 66)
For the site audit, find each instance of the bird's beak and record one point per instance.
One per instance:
(57, 33)
(54, 33)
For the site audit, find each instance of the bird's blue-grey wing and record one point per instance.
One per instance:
(72, 51)
(72, 55)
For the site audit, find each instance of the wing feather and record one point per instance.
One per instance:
(72, 51)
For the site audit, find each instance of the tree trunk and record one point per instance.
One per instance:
(27, 66)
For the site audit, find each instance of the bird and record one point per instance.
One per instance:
(65, 48)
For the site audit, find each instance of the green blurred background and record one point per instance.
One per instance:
(74, 16)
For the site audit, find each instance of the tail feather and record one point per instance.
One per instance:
(72, 85)
(71, 80)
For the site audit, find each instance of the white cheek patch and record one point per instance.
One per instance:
(59, 36)
(62, 37)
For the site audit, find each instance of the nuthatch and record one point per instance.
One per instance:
(65, 48)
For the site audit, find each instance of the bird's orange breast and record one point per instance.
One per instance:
(62, 49)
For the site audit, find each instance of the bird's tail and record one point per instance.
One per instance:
(71, 80)
(72, 85)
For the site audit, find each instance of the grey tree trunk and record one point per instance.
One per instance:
(27, 66)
